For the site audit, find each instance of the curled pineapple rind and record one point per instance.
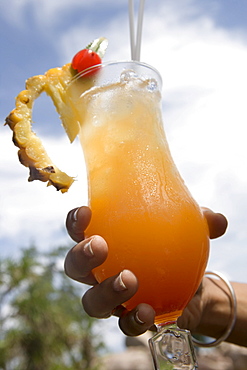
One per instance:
(54, 82)
(31, 151)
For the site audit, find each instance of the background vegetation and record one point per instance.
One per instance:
(43, 325)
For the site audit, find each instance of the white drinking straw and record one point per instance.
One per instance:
(132, 29)
(139, 30)
(135, 43)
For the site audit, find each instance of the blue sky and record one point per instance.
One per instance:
(35, 34)
(200, 49)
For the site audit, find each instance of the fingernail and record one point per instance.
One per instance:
(137, 319)
(88, 248)
(74, 215)
(118, 283)
(74, 219)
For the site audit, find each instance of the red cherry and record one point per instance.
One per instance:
(84, 59)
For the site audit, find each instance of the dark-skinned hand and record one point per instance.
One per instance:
(107, 297)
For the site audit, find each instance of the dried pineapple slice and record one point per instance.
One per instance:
(31, 151)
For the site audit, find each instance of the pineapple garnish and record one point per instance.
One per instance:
(54, 82)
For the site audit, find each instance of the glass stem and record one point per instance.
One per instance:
(172, 348)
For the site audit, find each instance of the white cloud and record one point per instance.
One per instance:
(205, 88)
(47, 14)
(30, 212)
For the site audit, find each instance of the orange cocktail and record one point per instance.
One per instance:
(139, 202)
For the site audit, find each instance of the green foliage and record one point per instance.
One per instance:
(43, 325)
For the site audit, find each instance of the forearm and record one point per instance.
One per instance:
(217, 311)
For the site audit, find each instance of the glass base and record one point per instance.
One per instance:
(172, 349)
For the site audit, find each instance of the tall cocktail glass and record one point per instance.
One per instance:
(139, 202)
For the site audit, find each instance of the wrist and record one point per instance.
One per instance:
(216, 308)
(223, 311)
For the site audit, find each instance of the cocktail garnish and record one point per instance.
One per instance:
(54, 82)
(89, 57)
(85, 59)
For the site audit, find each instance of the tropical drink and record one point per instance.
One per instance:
(139, 202)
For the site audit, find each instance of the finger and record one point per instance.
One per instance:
(217, 223)
(84, 257)
(101, 300)
(191, 315)
(77, 221)
(137, 321)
